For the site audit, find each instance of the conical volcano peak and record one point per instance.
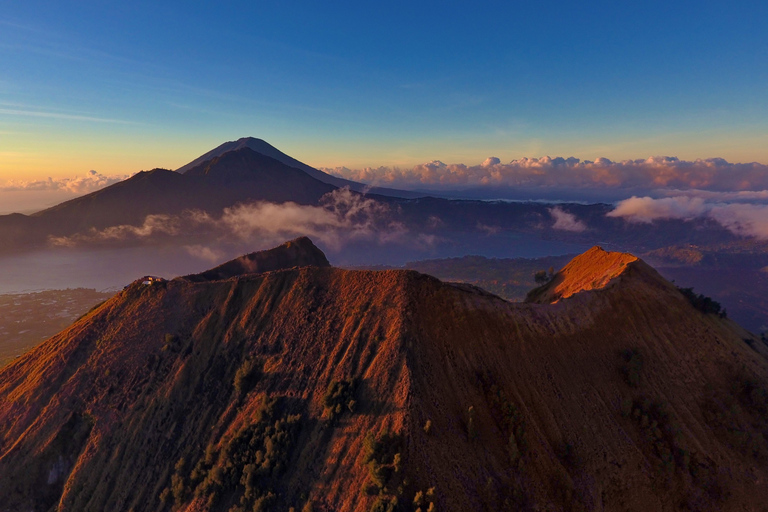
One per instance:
(259, 146)
(592, 270)
(265, 149)
(300, 252)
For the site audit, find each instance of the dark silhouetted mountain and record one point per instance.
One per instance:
(158, 191)
(264, 148)
(238, 176)
(390, 390)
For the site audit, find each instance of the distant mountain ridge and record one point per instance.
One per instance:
(154, 208)
(308, 386)
(238, 176)
(242, 171)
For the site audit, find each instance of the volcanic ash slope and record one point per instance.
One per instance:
(356, 391)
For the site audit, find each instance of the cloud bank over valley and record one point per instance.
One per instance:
(27, 196)
(342, 216)
(743, 219)
(91, 182)
(539, 174)
(733, 195)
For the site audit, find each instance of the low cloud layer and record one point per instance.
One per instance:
(652, 173)
(91, 182)
(744, 219)
(566, 221)
(342, 216)
(31, 196)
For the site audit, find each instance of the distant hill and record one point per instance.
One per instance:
(237, 176)
(311, 386)
(296, 253)
(593, 270)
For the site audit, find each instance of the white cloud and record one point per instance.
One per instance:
(204, 253)
(154, 225)
(566, 221)
(741, 196)
(91, 182)
(647, 209)
(342, 216)
(489, 230)
(659, 172)
(742, 219)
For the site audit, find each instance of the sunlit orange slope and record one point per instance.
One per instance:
(257, 392)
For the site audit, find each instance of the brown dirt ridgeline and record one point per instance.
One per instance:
(621, 397)
(592, 270)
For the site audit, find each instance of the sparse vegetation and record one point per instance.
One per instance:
(751, 395)
(425, 501)
(171, 343)
(656, 424)
(379, 456)
(566, 452)
(383, 458)
(541, 277)
(418, 499)
(703, 303)
(247, 375)
(383, 504)
(243, 467)
(340, 397)
(741, 417)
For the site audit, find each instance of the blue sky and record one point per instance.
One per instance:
(123, 87)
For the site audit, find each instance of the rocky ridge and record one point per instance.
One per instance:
(361, 390)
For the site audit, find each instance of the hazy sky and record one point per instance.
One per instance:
(122, 86)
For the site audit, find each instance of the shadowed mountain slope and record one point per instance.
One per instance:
(259, 177)
(264, 148)
(236, 177)
(128, 202)
(358, 390)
